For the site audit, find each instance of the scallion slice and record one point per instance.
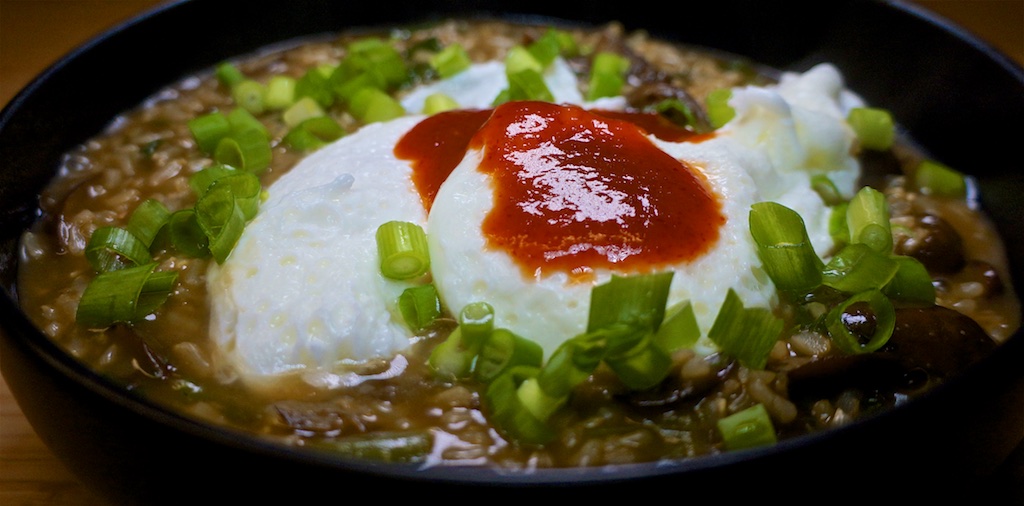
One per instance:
(209, 129)
(856, 268)
(452, 358)
(402, 247)
(185, 234)
(679, 329)
(114, 248)
(934, 178)
(280, 92)
(450, 61)
(874, 127)
(438, 102)
(315, 85)
(867, 217)
(419, 306)
(301, 110)
(124, 295)
(642, 366)
(784, 247)
(248, 94)
(826, 189)
(637, 300)
(476, 320)
(371, 105)
(228, 74)
(863, 323)
(147, 219)
(749, 428)
(911, 283)
(607, 75)
(546, 48)
(718, 108)
(506, 407)
(503, 349)
(746, 334)
(246, 150)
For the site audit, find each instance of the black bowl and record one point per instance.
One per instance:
(960, 99)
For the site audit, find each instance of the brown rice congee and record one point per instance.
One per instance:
(272, 336)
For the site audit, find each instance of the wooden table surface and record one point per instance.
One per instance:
(34, 33)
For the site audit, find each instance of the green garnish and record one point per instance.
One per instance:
(749, 428)
(402, 247)
(873, 126)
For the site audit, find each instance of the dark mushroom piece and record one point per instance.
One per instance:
(928, 344)
(934, 242)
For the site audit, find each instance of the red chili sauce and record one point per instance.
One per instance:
(574, 190)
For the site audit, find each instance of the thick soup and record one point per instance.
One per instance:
(478, 243)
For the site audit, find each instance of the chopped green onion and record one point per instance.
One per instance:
(315, 85)
(201, 181)
(867, 217)
(419, 306)
(505, 403)
(863, 323)
(392, 447)
(533, 399)
(242, 120)
(912, 282)
(248, 94)
(784, 247)
(679, 329)
(826, 189)
(402, 247)
(371, 105)
(519, 59)
(147, 219)
(314, 133)
(222, 221)
(280, 92)
(573, 362)
(546, 48)
(450, 61)
(229, 75)
(186, 235)
(503, 349)
(838, 229)
(209, 129)
(528, 84)
(225, 208)
(641, 366)
(934, 178)
(856, 268)
(452, 358)
(638, 301)
(874, 127)
(718, 108)
(247, 150)
(301, 110)
(243, 187)
(439, 102)
(114, 248)
(124, 295)
(477, 322)
(746, 334)
(380, 57)
(749, 428)
(679, 112)
(607, 75)
(566, 43)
